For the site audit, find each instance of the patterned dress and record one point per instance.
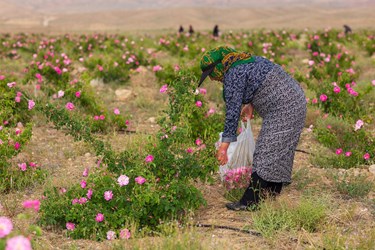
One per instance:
(280, 101)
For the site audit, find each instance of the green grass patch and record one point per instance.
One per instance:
(282, 215)
(353, 186)
(302, 178)
(15, 179)
(234, 194)
(342, 238)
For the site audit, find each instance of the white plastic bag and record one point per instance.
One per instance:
(240, 153)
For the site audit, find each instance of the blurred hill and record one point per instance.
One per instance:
(131, 15)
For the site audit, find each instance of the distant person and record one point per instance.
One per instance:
(255, 83)
(181, 29)
(191, 30)
(347, 29)
(215, 32)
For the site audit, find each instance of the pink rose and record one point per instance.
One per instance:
(198, 104)
(111, 235)
(11, 84)
(60, 94)
(336, 89)
(125, 234)
(116, 111)
(203, 91)
(89, 194)
(33, 164)
(198, 141)
(78, 94)
(70, 226)
(366, 156)
(339, 151)
(73, 82)
(163, 88)
(6, 226)
(22, 166)
(189, 150)
(352, 91)
(85, 172)
(82, 200)
(99, 217)
(123, 180)
(347, 154)
(35, 204)
(58, 70)
(323, 97)
(108, 195)
(18, 131)
(18, 242)
(210, 111)
(149, 158)
(140, 180)
(358, 125)
(157, 68)
(31, 104)
(69, 106)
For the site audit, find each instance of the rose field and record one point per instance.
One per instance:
(106, 142)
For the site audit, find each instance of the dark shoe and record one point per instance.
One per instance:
(236, 206)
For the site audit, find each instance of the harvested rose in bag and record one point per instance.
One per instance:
(240, 153)
(237, 178)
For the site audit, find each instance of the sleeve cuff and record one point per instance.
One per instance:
(229, 139)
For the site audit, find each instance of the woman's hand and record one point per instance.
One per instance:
(221, 155)
(247, 112)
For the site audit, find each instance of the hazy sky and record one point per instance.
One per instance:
(61, 6)
(159, 14)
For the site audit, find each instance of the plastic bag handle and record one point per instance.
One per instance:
(243, 126)
(248, 125)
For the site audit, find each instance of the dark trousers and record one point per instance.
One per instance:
(259, 189)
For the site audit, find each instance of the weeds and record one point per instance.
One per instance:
(282, 215)
(353, 186)
(301, 178)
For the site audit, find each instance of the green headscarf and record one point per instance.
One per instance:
(217, 61)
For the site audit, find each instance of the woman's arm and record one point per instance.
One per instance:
(234, 86)
(233, 92)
